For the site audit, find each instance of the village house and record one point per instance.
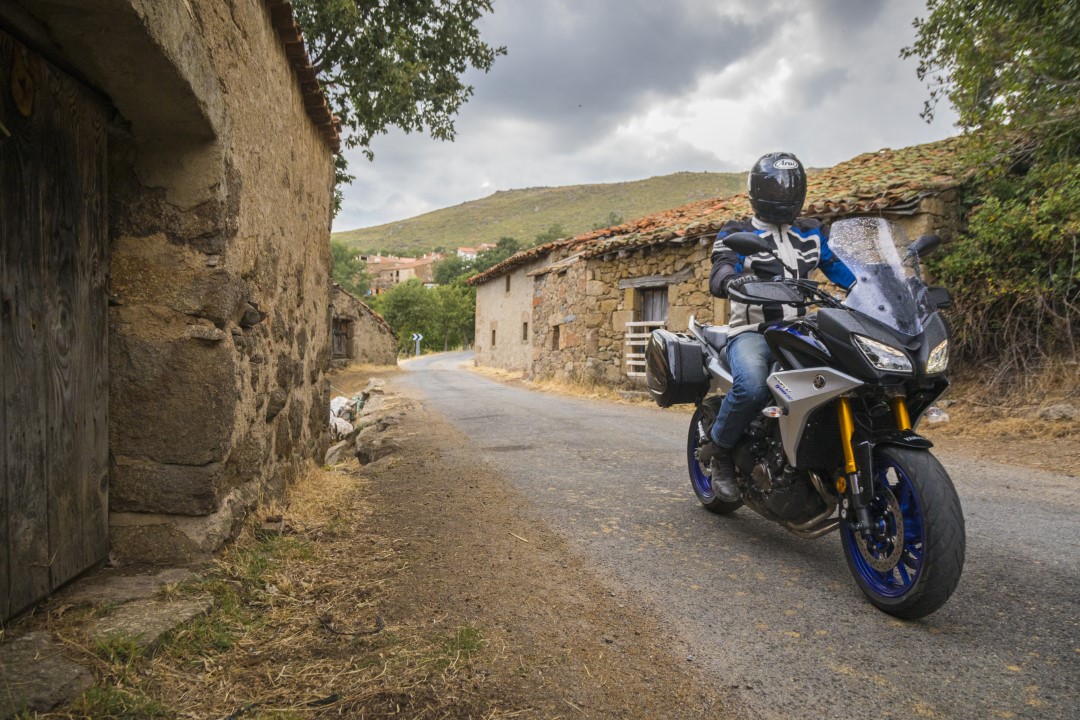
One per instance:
(470, 253)
(166, 177)
(581, 308)
(388, 271)
(360, 333)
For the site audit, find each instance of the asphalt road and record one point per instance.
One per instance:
(778, 620)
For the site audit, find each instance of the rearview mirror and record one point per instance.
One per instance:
(924, 245)
(746, 243)
(938, 297)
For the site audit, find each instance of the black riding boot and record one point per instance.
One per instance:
(723, 481)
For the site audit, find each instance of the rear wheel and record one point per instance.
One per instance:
(699, 477)
(913, 562)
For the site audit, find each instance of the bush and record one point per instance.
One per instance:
(1015, 272)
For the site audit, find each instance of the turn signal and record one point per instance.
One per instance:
(772, 411)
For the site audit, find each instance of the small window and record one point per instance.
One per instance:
(555, 337)
(507, 283)
(524, 331)
(492, 338)
(654, 304)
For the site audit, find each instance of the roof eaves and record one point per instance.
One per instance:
(312, 95)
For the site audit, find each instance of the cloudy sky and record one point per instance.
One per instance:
(596, 91)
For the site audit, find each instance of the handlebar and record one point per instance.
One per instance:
(784, 291)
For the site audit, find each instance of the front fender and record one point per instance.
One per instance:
(901, 438)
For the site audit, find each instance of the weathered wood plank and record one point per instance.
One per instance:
(71, 237)
(657, 280)
(23, 326)
(5, 211)
(53, 333)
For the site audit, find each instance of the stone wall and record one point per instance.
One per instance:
(219, 202)
(591, 310)
(367, 338)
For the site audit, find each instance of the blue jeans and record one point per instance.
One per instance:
(749, 358)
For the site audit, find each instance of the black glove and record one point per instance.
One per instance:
(736, 282)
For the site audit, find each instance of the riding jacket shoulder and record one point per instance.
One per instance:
(801, 246)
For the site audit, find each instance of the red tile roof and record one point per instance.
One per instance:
(882, 181)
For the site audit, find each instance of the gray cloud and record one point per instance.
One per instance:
(610, 90)
(582, 66)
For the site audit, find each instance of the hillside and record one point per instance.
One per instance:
(524, 214)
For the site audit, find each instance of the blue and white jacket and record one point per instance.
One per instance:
(803, 246)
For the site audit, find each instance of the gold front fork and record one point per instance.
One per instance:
(847, 429)
(899, 408)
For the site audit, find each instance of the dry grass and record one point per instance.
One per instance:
(296, 629)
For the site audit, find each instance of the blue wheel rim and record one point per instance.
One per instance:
(697, 476)
(905, 573)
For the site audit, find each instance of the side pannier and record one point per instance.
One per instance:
(675, 368)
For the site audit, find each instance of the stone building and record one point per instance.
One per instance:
(166, 172)
(360, 333)
(388, 271)
(593, 299)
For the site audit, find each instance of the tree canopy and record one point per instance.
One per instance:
(444, 315)
(1005, 65)
(1011, 69)
(349, 271)
(386, 63)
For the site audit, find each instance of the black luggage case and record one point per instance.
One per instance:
(675, 368)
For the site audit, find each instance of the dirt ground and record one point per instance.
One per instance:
(421, 586)
(557, 641)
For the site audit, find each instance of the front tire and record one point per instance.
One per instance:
(699, 479)
(913, 564)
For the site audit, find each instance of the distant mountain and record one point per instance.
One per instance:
(524, 214)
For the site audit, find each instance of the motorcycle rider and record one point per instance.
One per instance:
(777, 189)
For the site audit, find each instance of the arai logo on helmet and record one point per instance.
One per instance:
(786, 164)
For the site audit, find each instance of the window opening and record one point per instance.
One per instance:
(654, 304)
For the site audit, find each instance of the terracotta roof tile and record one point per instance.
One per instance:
(871, 182)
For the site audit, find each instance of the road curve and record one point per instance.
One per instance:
(778, 620)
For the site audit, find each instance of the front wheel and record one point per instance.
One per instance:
(699, 478)
(912, 564)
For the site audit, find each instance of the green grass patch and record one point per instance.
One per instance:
(105, 702)
(462, 645)
(210, 634)
(118, 649)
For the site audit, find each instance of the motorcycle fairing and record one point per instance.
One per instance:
(800, 393)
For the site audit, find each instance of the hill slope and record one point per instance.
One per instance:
(524, 214)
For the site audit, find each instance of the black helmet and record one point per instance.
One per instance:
(777, 185)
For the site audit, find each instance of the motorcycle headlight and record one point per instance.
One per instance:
(939, 359)
(882, 356)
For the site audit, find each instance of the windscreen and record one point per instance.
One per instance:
(887, 288)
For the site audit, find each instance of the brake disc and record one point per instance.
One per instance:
(884, 554)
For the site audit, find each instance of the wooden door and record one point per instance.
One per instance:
(53, 328)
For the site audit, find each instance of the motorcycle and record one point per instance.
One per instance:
(837, 449)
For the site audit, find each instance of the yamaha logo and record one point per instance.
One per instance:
(786, 164)
(819, 382)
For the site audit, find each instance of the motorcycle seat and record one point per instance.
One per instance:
(715, 335)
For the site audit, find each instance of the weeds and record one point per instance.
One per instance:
(462, 645)
(295, 630)
(105, 702)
